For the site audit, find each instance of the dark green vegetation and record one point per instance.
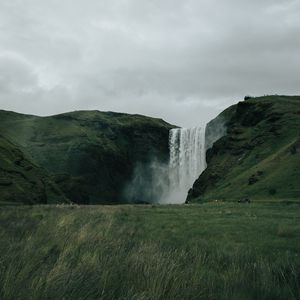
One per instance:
(21, 181)
(86, 156)
(259, 156)
(212, 251)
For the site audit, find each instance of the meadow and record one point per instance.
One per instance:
(217, 250)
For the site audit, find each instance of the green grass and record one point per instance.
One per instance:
(210, 251)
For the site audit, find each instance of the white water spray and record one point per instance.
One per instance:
(187, 161)
(169, 183)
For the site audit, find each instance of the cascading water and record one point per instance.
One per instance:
(170, 183)
(187, 161)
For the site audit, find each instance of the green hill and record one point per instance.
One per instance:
(21, 181)
(89, 155)
(259, 155)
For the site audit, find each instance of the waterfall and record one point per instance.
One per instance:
(187, 161)
(157, 182)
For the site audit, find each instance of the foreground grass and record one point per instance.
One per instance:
(210, 251)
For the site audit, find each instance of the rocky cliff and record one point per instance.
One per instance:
(258, 155)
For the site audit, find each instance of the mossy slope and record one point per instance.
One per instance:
(21, 181)
(90, 155)
(258, 157)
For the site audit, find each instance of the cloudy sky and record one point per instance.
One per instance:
(183, 61)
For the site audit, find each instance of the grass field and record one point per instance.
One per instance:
(209, 251)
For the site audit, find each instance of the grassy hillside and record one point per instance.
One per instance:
(212, 251)
(21, 181)
(90, 155)
(259, 156)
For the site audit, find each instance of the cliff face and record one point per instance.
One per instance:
(258, 156)
(217, 127)
(89, 155)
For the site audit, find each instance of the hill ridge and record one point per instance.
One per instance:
(256, 129)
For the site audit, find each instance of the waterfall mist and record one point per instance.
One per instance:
(169, 183)
(149, 183)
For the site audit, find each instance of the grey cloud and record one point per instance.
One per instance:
(15, 74)
(182, 60)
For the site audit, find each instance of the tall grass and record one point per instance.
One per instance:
(141, 252)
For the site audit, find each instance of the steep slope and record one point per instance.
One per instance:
(90, 155)
(259, 155)
(21, 181)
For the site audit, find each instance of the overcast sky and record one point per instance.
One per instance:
(184, 61)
